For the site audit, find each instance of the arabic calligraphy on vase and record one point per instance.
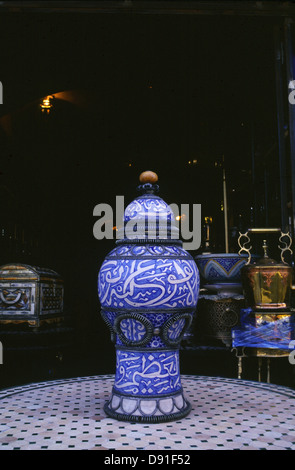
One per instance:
(148, 283)
(147, 373)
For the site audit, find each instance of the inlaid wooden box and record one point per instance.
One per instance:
(31, 295)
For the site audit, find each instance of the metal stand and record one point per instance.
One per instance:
(260, 353)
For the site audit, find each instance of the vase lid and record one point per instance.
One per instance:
(148, 217)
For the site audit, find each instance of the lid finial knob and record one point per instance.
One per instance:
(148, 177)
(148, 180)
(265, 249)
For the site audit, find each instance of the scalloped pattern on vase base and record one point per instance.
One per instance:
(147, 409)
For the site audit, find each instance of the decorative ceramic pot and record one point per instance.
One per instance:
(219, 268)
(148, 289)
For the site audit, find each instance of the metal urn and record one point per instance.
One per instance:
(148, 288)
(267, 283)
(267, 322)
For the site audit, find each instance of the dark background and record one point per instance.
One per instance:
(132, 92)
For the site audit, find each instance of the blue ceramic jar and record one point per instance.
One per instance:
(148, 289)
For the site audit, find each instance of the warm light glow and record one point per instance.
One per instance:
(46, 104)
(180, 217)
(208, 220)
(192, 162)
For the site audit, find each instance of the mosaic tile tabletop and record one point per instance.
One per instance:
(226, 414)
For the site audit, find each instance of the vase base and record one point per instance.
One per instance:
(147, 409)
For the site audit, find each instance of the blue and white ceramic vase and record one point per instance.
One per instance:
(148, 289)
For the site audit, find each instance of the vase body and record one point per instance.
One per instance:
(148, 290)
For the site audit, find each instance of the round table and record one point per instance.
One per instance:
(226, 414)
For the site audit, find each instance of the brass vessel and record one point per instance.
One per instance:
(267, 284)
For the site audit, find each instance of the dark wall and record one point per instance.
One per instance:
(158, 92)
